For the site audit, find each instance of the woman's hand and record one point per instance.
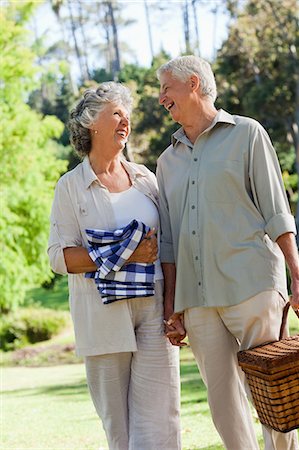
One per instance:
(147, 250)
(175, 330)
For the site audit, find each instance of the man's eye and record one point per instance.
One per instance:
(116, 113)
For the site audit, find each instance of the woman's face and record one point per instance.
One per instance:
(113, 125)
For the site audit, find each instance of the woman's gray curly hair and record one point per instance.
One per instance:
(87, 110)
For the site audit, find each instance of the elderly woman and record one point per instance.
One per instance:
(132, 371)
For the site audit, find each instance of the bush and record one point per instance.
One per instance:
(29, 325)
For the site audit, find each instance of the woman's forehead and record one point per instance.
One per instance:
(117, 105)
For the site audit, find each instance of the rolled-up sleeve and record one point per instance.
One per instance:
(267, 186)
(64, 228)
(166, 249)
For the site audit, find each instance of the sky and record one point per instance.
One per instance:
(167, 28)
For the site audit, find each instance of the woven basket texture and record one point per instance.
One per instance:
(272, 372)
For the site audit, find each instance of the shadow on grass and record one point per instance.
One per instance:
(193, 389)
(75, 390)
(211, 447)
(54, 298)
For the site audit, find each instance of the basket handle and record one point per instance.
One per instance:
(284, 318)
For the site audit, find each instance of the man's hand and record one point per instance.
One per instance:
(294, 298)
(147, 250)
(287, 244)
(175, 330)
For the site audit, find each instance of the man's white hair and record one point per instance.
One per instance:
(183, 67)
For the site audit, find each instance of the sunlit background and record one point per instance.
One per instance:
(50, 52)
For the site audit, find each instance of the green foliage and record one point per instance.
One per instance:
(55, 297)
(256, 68)
(152, 125)
(28, 172)
(30, 325)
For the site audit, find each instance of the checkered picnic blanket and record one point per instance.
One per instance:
(110, 250)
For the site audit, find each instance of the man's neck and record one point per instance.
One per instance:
(201, 119)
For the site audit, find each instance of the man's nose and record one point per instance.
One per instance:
(161, 98)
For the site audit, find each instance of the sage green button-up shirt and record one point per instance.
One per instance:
(222, 207)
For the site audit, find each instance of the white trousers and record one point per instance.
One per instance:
(215, 336)
(137, 394)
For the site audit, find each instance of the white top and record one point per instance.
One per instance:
(81, 201)
(133, 204)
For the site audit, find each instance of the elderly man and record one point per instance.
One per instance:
(226, 233)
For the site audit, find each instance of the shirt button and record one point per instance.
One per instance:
(193, 182)
(193, 232)
(195, 159)
(199, 283)
(196, 258)
(192, 207)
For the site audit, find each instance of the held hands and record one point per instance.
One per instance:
(174, 329)
(147, 250)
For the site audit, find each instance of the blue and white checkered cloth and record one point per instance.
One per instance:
(110, 250)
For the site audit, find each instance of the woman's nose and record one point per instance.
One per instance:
(125, 120)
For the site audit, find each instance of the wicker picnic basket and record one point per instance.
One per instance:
(272, 372)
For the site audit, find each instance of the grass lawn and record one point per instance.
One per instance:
(56, 297)
(50, 408)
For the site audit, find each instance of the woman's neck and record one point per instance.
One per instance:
(103, 162)
(110, 171)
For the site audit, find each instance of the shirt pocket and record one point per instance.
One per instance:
(223, 181)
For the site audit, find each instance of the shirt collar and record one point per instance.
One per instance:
(132, 169)
(89, 176)
(221, 117)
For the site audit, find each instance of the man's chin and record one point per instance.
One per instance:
(175, 118)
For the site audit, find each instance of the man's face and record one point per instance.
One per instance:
(175, 96)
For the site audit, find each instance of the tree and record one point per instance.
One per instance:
(29, 168)
(102, 21)
(257, 72)
(152, 125)
(63, 45)
(149, 28)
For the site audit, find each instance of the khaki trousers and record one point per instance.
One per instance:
(137, 394)
(215, 336)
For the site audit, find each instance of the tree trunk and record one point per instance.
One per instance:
(84, 54)
(215, 12)
(129, 153)
(56, 8)
(186, 26)
(149, 30)
(116, 56)
(196, 47)
(73, 29)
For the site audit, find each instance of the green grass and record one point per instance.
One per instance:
(50, 408)
(56, 297)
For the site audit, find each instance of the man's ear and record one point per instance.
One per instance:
(194, 82)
